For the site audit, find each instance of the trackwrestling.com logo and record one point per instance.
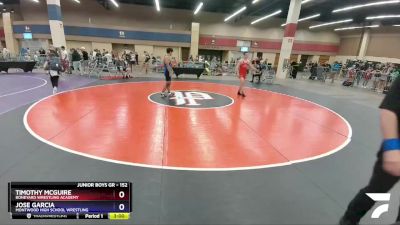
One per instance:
(381, 209)
(192, 100)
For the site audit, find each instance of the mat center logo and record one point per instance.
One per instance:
(189, 98)
(192, 99)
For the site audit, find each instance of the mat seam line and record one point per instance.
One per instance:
(297, 168)
(162, 163)
(265, 141)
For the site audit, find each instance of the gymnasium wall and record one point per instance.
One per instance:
(268, 35)
(143, 18)
(380, 45)
(78, 44)
(270, 57)
(383, 46)
(271, 31)
(102, 45)
(349, 45)
(89, 12)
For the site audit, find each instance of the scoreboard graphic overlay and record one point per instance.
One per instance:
(70, 200)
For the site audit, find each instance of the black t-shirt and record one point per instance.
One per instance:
(147, 59)
(259, 68)
(85, 55)
(75, 56)
(392, 100)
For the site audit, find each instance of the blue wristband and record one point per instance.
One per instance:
(391, 145)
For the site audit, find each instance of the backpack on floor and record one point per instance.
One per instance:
(347, 83)
(386, 90)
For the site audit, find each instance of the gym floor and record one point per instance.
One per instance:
(295, 152)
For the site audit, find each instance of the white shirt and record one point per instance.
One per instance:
(108, 57)
(64, 54)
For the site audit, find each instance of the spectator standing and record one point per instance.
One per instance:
(94, 53)
(98, 54)
(121, 65)
(65, 60)
(76, 61)
(387, 70)
(53, 66)
(295, 69)
(108, 57)
(377, 74)
(132, 60)
(258, 72)
(85, 60)
(6, 54)
(367, 77)
(147, 59)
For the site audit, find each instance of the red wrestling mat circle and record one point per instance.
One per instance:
(126, 124)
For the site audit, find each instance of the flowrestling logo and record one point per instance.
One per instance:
(383, 208)
(192, 100)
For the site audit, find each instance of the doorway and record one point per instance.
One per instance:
(276, 63)
(186, 54)
(304, 59)
(324, 59)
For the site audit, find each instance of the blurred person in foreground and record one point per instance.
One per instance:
(386, 171)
